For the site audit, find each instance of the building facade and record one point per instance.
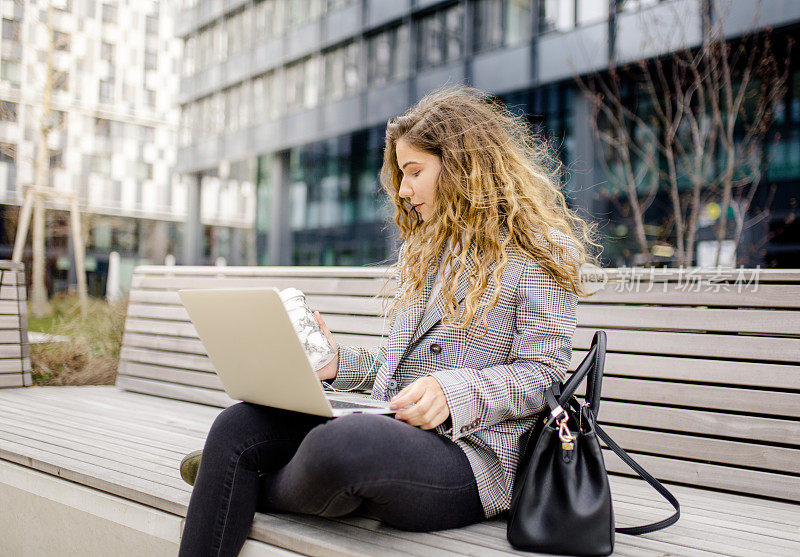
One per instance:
(115, 84)
(284, 103)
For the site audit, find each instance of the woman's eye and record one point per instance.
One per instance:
(416, 173)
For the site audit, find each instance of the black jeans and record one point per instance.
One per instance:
(267, 459)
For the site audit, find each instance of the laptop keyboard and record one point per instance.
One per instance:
(343, 404)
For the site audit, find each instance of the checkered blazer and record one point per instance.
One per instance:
(493, 385)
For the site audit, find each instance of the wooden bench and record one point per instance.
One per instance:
(15, 361)
(701, 387)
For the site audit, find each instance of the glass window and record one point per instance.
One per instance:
(233, 26)
(109, 13)
(60, 81)
(106, 92)
(11, 71)
(311, 82)
(379, 49)
(295, 85)
(151, 25)
(102, 127)
(273, 95)
(150, 60)
(402, 52)
(387, 55)
(269, 19)
(558, 15)
(107, 51)
(147, 133)
(341, 71)
(516, 22)
(334, 73)
(591, 11)
(351, 66)
(258, 92)
(217, 43)
(11, 29)
(303, 11)
(633, 5)
(56, 159)
(185, 131)
(8, 111)
(189, 54)
(454, 33)
(245, 104)
(217, 113)
(231, 108)
(441, 37)
(430, 41)
(101, 163)
(488, 24)
(337, 4)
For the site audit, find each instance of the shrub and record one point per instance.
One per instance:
(91, 355)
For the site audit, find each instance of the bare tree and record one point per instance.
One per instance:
(693, 124)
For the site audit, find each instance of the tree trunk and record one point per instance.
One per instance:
(39, 302)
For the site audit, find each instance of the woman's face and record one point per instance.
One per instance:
(420, 172)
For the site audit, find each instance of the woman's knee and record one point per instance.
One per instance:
(240, 422)
(340, 447)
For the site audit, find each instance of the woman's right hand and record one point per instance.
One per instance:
(330, 370)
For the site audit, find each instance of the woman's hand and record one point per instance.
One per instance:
(429, 403)
(331, 368)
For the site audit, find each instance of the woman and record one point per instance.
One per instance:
(478, 205)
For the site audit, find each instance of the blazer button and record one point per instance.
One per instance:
(464, 429)
(392, 384)
(435, 348)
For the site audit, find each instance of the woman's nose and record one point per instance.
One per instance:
(405, 191)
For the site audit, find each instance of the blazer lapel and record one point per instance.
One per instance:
(416, 321)
(408, 323)
(435, 313)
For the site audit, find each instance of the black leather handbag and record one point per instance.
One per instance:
(561, 501)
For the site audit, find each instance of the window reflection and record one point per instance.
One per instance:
(387, 54)
(335, 182)
(501, 23)
(441, 37)
(341, 71)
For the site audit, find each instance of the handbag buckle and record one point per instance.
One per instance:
(584, 406)
(567, 439)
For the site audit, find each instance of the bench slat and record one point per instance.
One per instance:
(730, 399)
(765, 457)
(590, 314)
(344, 286)
(731, 372)
(699, 421)
(172, 390)
(711, 475)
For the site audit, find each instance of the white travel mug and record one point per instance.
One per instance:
(315, 343)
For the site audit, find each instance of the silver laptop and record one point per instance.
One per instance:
(258, 356)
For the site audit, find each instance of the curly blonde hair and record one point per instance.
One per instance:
(496, 174)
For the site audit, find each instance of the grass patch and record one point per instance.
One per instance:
(91, 355)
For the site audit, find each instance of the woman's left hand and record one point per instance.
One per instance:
(429, 403)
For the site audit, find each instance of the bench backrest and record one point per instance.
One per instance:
(702, 376)
(15, 361)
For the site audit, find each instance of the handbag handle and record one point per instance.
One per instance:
(592, 365)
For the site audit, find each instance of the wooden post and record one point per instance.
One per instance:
(77, 242)
(22, 226)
